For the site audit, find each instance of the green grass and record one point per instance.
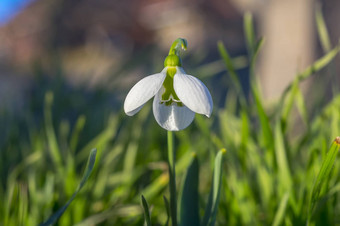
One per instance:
(281, 166)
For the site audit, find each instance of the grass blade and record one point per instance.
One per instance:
(76, 132)
(253, 50)
(322, 177)
(322, 30)
(228, 63)
(326, 45)
(258, 46)
(146, 211)
(301, 106)
(319, 64)
(249, 32)
(50, 133)
(281, 159)
(232, 72)
(267, 134)
(214, 196)
(89, 167)
(288, 104)
(167, 208)
(281, 211)
(189, 209)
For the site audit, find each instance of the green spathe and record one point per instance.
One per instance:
(172, 61)
(177, 45)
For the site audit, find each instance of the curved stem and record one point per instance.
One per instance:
(177, 45)
(172, 177)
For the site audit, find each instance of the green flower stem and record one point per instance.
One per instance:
(178, 44)
(172, 177)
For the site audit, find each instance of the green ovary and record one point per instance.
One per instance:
(169, 96)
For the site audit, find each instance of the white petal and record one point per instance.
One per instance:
(193, 93)
(173, 117)
(143, 91)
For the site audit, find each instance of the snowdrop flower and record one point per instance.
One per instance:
(177, 95)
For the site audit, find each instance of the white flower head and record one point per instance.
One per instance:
(177, 95)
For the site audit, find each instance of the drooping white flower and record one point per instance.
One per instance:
(177, 96)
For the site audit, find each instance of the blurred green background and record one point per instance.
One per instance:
(66, 66)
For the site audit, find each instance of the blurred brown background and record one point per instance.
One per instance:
(112, 44)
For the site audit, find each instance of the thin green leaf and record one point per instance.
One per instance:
(90, 164)
(281, 210)
(323, 174)
(288, 104)
(281, 159)
(232, 72)
(257, 48)
(249, 32)
(23, 204)
(207, 213)
(267, 134)
(253, 49)
(301, 106)
(326, 45)
(76, 132)
(146, 211)
(167, 208)
(229, 64)
(214, 196)
(244, 138)
(189, 209)
(322, 30)
(265, 181)
(50, 133)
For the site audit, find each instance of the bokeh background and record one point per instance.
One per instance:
(105, 43)
(62, 61)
